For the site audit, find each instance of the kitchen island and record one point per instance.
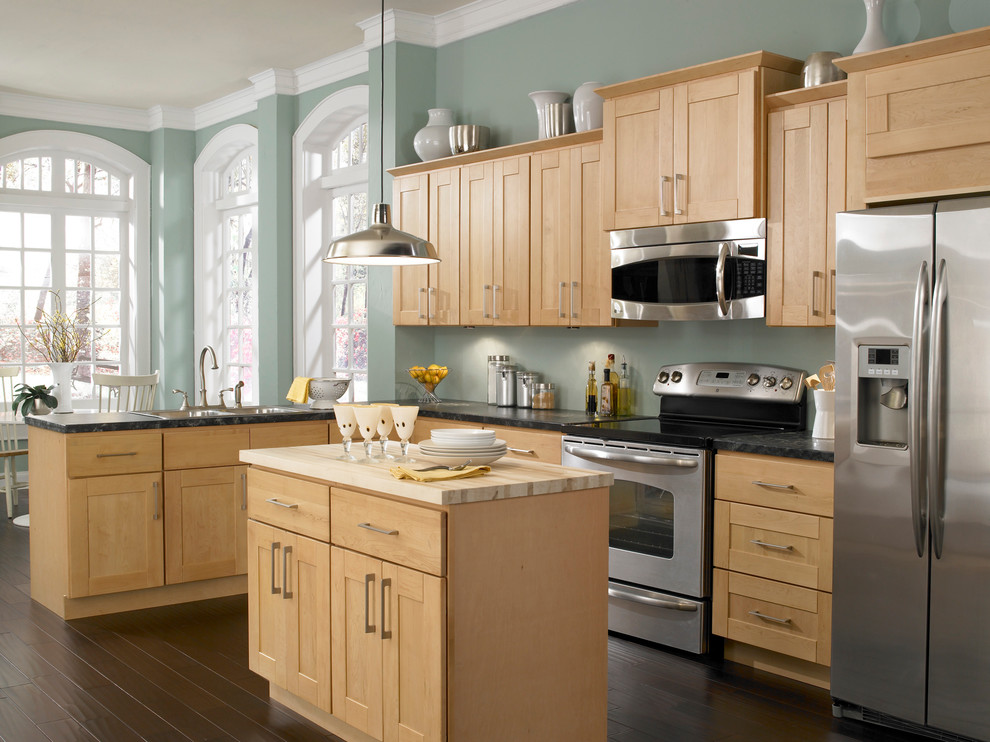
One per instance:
(470, 610)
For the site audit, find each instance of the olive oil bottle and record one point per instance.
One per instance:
(626, 402)
(591, 391)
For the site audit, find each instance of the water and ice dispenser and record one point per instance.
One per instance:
(884, 373)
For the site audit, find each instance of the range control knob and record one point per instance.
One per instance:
(753, 379)
(770, 382)
(676, 376)
(786, 383)
(662, 377)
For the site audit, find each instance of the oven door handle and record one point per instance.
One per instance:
(630, 458)
(669, 603)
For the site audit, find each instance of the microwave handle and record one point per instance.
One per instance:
(723, 253)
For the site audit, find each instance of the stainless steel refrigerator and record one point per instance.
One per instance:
(911, 601)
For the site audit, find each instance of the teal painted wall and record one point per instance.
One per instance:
(137, 142)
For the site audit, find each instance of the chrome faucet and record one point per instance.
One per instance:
(202, 373)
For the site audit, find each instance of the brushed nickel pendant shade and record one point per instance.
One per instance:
(381, 243)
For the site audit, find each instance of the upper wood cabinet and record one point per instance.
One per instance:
(689, 145)
(569, 258)
(919, 119)
(807, 187)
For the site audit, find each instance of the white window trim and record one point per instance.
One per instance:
(208, 172)
(137, 268)
(311, 221)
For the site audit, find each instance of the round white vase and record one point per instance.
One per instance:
(873, 37)
(62, 373)
(541, 98)
(433, 140)
(587, 107)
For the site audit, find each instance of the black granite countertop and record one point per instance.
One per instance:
(793, 444)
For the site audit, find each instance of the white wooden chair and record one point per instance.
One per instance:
(124, 393)
(10, 446)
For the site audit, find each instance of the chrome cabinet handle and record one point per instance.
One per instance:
(631, 458)
(386, 583)
(244, 491)
(678, 178)
(369, 628)
(560, 300)
(573, 286)
(664, 180)
(671, 604)
(723, 253)
(528, 451)
(765, 617)
(495, 289)
(154, 486)
(916, 430)
(274, 501)
(484, 301)
(814, 294)
(286, 595)
(275, 547)
(936, 430)
(419, 304)
(430, 294)
(771, 485)
(111, 455)
(391, 532)
(766, 545)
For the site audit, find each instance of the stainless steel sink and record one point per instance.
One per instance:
(261, 410)
(184, 414)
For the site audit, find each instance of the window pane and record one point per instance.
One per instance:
(106, 271)
(247, 346)
(247, 306)
(360, 387)
(107, 234)
(10, 345)
(339, 272)
(46, 173)
(233, 262)
(32, 174)
(12, 175)
(37, 268)
(10, 229)
(108, 347)
(233, 346)
(233, 233)
(114, 185)
(78, 233)
(341, 348)
(360, 349)
(340, 222)
(359, 303)
(10, 268)
(340, 312)
(234, 307)
(106, 308)
(359, 272)
(101, 182)
(84, 177)
(70, 176)
(359, 211)
(10, 306)
(37, 230)
(78, 269)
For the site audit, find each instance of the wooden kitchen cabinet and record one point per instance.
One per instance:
(494, 242)
(919, 119)
(427, 205)
(569, 253)
(689, 145)
(772, 553)
(807, 188)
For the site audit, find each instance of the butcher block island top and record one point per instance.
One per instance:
(508, 478)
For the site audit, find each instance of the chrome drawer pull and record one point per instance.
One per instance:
(370, 527)
(770, 546)
(111, 455)
(155, 487)
(774, 486)
(369, 628)
(243, 491)
(386, 583)
(286, 595)
(275, 547)
(765, 617)
(274, 501)
(529, 451)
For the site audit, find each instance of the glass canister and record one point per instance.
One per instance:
(505, 392)
(544, 396)
(493, 363)
(524, 387)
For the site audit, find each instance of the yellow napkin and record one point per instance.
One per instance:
(299, 391)
(437, 475)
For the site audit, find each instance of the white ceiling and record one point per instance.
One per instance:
(182, 53)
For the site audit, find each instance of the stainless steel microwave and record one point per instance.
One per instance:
(713, 270)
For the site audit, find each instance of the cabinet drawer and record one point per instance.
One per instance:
(408, 535)
(289, 503)
(279, 435)
(776, 544)
(774, 482)
(103, 454)
(782, 618)
(529, 444)
(199, 447)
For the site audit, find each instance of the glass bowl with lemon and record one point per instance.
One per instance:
(429, 377)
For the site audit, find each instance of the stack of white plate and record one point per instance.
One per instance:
(455, 446)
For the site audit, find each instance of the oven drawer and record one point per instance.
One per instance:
(658, 617)
(783, 618)
(774, 482)
(776, 544)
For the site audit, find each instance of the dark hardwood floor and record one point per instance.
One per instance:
(181, 673)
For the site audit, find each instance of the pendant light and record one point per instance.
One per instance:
(381, 243)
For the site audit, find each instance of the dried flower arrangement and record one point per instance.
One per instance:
(58, 336)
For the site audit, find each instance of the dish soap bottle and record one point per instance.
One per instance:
(625, 390)
(591, 392)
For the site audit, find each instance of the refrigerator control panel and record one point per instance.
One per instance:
(889, 362)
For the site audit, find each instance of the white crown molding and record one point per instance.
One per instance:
(407, 27)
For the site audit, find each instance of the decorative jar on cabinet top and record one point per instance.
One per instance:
(433, 140)
(588, 107)
(540, 98)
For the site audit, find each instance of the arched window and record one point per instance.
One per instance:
(74, 213)
(330, 201)
(226, 195)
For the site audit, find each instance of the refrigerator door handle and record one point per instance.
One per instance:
(936, 455)
(916, 405)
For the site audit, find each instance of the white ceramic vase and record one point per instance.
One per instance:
(433, 140)
(541, 98)
(587, 107)
(62, 374)
(873, 37)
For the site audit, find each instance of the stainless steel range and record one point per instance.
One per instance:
(661, 500)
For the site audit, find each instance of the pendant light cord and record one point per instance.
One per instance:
(381, 116)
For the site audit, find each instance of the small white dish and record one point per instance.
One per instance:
(462, 433)
(465, 445)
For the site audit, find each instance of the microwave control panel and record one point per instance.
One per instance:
(739, 381)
